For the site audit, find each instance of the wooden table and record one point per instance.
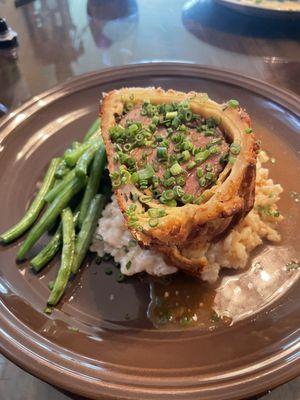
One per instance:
(64, 38)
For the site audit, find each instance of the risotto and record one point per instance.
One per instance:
(233, 251)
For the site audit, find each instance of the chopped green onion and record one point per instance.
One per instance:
(199, 172)
(171, 203)
(165, 143)
(187, 145)
(153, 222)
(248, 130)
(177, 138)
(202, 182)
(168, 107)
(202, 156)
(146, 173)
(135, 177)
(162, 153)
(208, 167)
(233, 103)
(139, 137)
(169, 181)
(120, 277)
(145, 199)
(153, 212)
(213, 143)
(187, 198)
(214, 150)
(180, 180)
(177, 148)
(178, 191)
(176, 122)
(209, 176)
(116, 183)
(152, 128)
(235, 148)
(143, 184)
(191, 165)
(133, 128)
(171, 114)
(186, 155)
(167, 174)
(168, 195)
(127, 147)
(176, 169)
(129, 106)
(128, 265)
(199, 199)
(115, 175)
(182, 128)
(188, 115)
(129, 161)
(155, 181)
(231, 159)
(131, 209)
(155, 120)
(224, 158)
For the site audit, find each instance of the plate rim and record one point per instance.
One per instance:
(255, 9)
(52, 372)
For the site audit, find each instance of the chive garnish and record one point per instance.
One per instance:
(233, 103)
(191, 165)
(161, 153)
(128, 265)
(199, 172)
(235, 148)
(202, 156)
(176, 169)
(153, 222)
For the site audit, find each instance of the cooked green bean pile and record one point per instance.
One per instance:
(73, 201)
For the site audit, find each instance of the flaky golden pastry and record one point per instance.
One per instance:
(186, 229)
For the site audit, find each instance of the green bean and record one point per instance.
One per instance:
(85, 160)
(50, 196)
(67, 257)
(48, 252)
(35, 207)
(51, 248)
(71, 156)
(50, 215)
(93, 182)
(87, 231)
(94, 128)
(61, 170)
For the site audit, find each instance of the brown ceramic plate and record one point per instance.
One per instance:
(117, 352)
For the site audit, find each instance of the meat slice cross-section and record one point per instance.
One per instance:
(182, 168)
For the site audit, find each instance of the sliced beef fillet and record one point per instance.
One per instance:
(201, 139)
(182, 168)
